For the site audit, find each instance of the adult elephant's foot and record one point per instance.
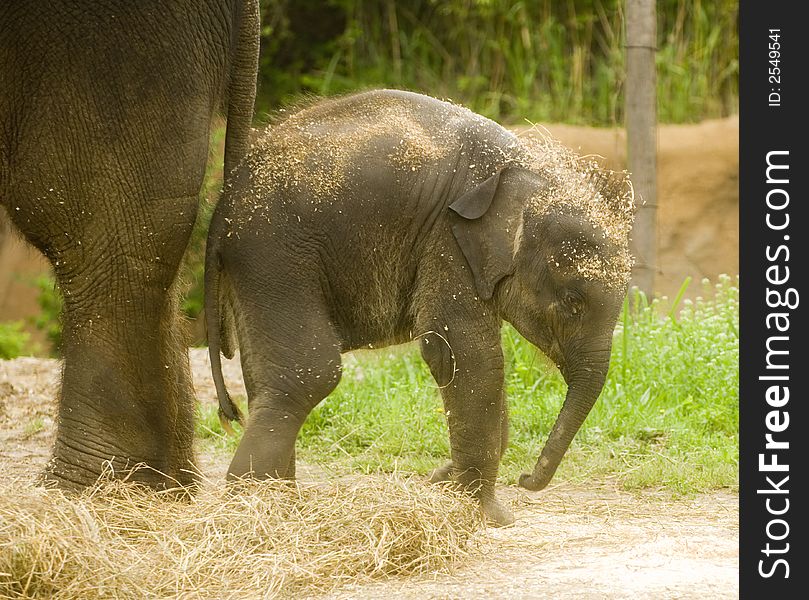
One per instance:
(75, 470)
(104, 446)
(124, 412)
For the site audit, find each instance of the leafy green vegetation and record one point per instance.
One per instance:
(668, 415)
(13, 340)
(507, 59)
(34, 426)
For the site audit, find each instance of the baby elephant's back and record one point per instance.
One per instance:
(345, 177)
(378, 139)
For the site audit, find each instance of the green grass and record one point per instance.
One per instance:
(667, 418)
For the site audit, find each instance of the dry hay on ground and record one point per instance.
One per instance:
(269, 539)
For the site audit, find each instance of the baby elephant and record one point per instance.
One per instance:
(387, 216)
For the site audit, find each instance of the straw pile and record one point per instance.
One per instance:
(270, 539)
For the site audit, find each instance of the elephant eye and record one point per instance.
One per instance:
(573, 301)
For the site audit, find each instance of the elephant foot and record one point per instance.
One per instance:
(532, 483)
(74, 472)
(68, 476)
(496, 513)
(241, 470)
(443, 474)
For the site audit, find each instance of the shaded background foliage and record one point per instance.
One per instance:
(542, 60)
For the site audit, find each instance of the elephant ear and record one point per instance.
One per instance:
(486, 230)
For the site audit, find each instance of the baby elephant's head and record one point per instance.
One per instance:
(550, 250)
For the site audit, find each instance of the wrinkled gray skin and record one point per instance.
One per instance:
(442, 252)
(105, 117)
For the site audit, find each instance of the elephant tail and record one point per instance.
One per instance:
(214, 305)
(241, 95)
(241, 85)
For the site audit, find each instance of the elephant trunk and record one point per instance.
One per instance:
(584, 387)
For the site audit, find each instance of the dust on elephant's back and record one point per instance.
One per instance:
(321, 147)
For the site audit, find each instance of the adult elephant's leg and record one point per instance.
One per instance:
(126, 395)
(504, 425)
(102, 157)
(467, 362)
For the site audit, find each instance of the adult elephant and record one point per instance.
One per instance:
(105, 117)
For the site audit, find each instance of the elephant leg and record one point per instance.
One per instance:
(467, 363)
(446, 472)
(504, 425)
(291, 466)
(102, 158)
(292, 361)
(126, 396)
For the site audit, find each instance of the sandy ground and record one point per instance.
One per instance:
(570, 541)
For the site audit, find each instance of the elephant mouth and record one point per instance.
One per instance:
(554, 352)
